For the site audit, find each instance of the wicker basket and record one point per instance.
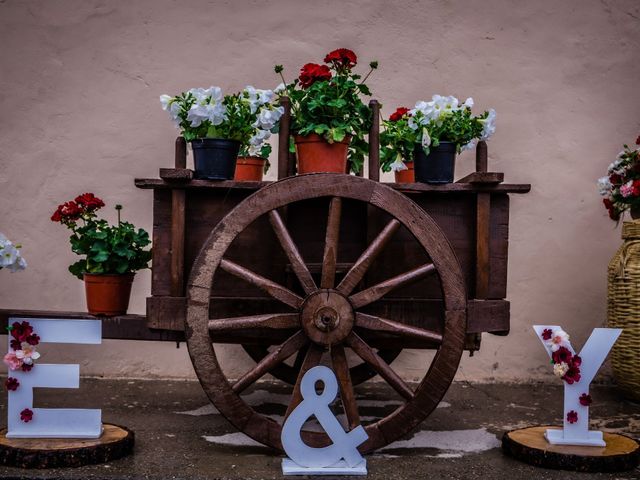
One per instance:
(623, 310)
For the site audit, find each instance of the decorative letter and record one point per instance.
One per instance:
(577, 371)
(53, 422)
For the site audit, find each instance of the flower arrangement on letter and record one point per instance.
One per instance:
(621, 186)
(10, 257)
(443, 119)
(107, 249)
(248, 117)
(327, 100)
(21, 356)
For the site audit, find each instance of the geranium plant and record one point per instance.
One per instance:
(621, 186)
(10, 257)
(248, 116)
(107, 249)
(443, 119)
(327, 100)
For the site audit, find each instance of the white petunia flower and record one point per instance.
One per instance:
(468, 103)
(254, 151)
(413, 125)
(8, 256)
(426, 139)
(398, 165)
(604, 185)
(489, 127)
(258, 139)
(268, 118)
(469, 146)
(165, 101)
(280, 88)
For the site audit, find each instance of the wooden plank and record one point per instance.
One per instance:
(374, 142)
(177, 242)
(161, 257)
(483, 177)
(488, 316)
(483, 212)
(176, 174)
(283, 139)
(180, 159)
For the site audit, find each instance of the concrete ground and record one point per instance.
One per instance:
(179, 435)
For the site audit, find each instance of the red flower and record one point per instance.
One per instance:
(89, 202)
(33, 339)
(546, 334)
(608, 204)
(68, 211)
(615, 179)
(20, 331)
(342, 57)
(26, 368)
(636, 187)
(572, 416)
(585, 399)
(563, 354)
(638, 140)
(573, 374)
(26, 415)
(576, 361)
(15, 344)
(397, 115)
(312, 72)
(11, 384)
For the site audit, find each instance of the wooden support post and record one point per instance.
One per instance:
(483, 234)
(283, 139)
(374, 142)
(177, 224)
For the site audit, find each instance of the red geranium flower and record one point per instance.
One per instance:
(572, 416)
(26, 368)
(397, 115)
(615, 179)
(26, 415)
(89, 202)
(312, 72)
(12, 384)
(563, 354)
(546, 334)
(68, 211)
(342, 57)
(20, 331)
(638, 140)
(585, 399)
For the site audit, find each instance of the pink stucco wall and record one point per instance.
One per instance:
(79, 99)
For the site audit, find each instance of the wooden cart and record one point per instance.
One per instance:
(320, 264)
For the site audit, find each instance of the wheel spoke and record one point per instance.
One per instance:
(355, 274)
(314, 354)
(279, 355)
(331, 244)
(293, 254)
(365, 352)
(278, 292)
(378, 291)
(341, 367)
(276, 321)
(378, 324)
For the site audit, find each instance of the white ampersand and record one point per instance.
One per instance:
(344, 444)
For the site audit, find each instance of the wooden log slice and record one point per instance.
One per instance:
(529, 445)
(115, 442)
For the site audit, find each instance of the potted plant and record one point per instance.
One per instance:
(218, 125)
(112, 254)
(10, 257)
(431, 134)
(328, 118)
(621, 186)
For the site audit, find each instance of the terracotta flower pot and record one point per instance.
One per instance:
(249, 169)
(406, 176)
(108, 294)
(315, 154)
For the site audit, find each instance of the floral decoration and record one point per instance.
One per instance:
(23, 344)
(620, 187)
(11, 384)
(572, 416)
(10, 257)
(585, 400)
(26, 415)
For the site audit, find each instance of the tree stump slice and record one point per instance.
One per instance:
(529, 445)
(115, 442)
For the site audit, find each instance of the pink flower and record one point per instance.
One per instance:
(26, 415)
(12, 361)
(626, 190)
(572, 416)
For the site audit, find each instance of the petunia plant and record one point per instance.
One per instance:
(10, 257)
(327, 100)
(107, 249)
(442, 119)
(621, 186)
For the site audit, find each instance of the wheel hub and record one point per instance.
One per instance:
(327, 317)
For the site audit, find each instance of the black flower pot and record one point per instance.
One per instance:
(438, 166)
(215, 158)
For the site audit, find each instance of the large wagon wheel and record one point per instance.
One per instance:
(326, 316)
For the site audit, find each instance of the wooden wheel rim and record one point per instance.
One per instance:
(445, 363)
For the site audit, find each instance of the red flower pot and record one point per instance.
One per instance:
(249, 169)
(315, 154)
(406, 176)
(108, 294)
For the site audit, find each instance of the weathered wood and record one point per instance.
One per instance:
(177, 242)
(482, 157)
(355, 274)
(283, 139)
(483, 220)
(377, 324)
(279, 355)
(366, 353)
(330, 256)
(374, 142)
(490, 316)
(483, 177)
(115, 442)
(347, 396)
(376, 292)
(276, 321)
(180, 160)
(176, 174)
(293, 254)
(529, 445)
(278, 292)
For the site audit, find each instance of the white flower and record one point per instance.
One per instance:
(468, 103)
(489, 125)
(426, 139)
(604, 186)
(559, 338)
(8, 255)
(413, 125)
(398, 165)
(560, 369)
(469, 146)
(27, 354)
(165, 101)
(280, 88)
(216, 114)
(259, 138)
(268, 118)
(254, 151)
